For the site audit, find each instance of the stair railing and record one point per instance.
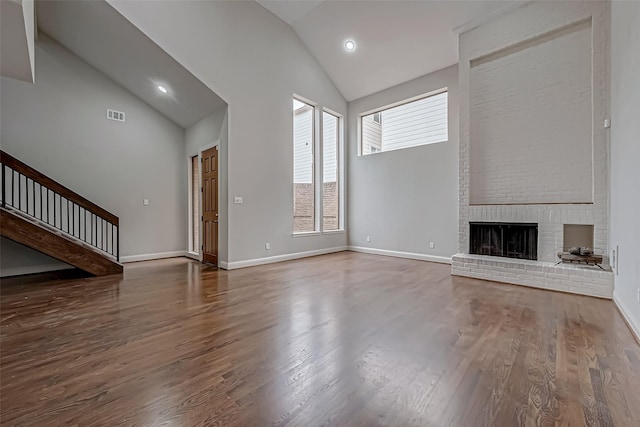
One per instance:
(35, 195)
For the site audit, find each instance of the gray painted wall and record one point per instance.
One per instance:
(58, 125)
(625, 153)
(16, 259)
(204, 132)
(267, 65)
(406, 198)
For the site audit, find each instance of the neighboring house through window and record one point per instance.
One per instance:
(303, 167)
(310, 200)
(406, 124)
(330, 171)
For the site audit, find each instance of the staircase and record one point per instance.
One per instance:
(45, 216)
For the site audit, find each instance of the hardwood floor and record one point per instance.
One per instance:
(338, 340)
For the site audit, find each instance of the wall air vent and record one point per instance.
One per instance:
(115, 115)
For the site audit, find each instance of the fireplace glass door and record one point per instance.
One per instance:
(511, 240)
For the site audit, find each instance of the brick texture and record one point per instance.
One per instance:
(304, 214)
(330, 206)
(531, 21)
(546, 275)
(303, 207)
(530, 113)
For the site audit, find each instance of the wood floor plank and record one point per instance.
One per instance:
(338, 340)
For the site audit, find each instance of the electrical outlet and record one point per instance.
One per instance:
(267, 246)
(145, 202)
(431, 245)
(368, 239)
(237, 200)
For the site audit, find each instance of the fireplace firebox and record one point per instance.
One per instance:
(511, 240)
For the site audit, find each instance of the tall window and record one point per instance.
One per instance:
(195, 205)
(304, 194)
(413, 123)
(330, 172)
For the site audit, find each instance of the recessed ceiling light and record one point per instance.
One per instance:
(162, 89)
(350, 45)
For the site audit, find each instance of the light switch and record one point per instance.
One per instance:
(237, 200)
(145, 202)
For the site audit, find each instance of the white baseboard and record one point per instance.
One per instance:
(223, 265)
(398, 254)
(192, 255)
(635, 327)
(279, 258)
(147, 257)
(34, 269)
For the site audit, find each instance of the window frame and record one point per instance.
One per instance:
(359, 127)
(315, 172)
(339, 172)
(318, 165)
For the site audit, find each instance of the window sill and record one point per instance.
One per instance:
(305, 233)
(334, 231)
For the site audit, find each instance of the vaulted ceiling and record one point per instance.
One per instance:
(97, 33)
(396, 40)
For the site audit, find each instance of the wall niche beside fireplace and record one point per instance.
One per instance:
(502, 239)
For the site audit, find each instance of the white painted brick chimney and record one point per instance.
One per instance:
(534, 88)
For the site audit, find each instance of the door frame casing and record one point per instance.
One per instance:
(190, 254)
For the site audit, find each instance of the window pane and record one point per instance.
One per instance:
(330, 189)
(408, 125)
(303, 186)
(195, 204)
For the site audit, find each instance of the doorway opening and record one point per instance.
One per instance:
(205, 204)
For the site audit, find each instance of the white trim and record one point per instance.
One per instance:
(34, 269)
(193, 255)
(398, 254)
(340, 172)
(147, 257)
(318, 164)
(502, 10)
(223, 265)
(215, 143)
(279, 258)
(190, 224)
(305, 233)
(634, 327)
(339, 231)
(305, 100)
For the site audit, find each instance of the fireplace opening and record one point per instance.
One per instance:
(511, 240)
(577, 235)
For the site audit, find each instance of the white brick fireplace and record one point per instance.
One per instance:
(534, 90)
